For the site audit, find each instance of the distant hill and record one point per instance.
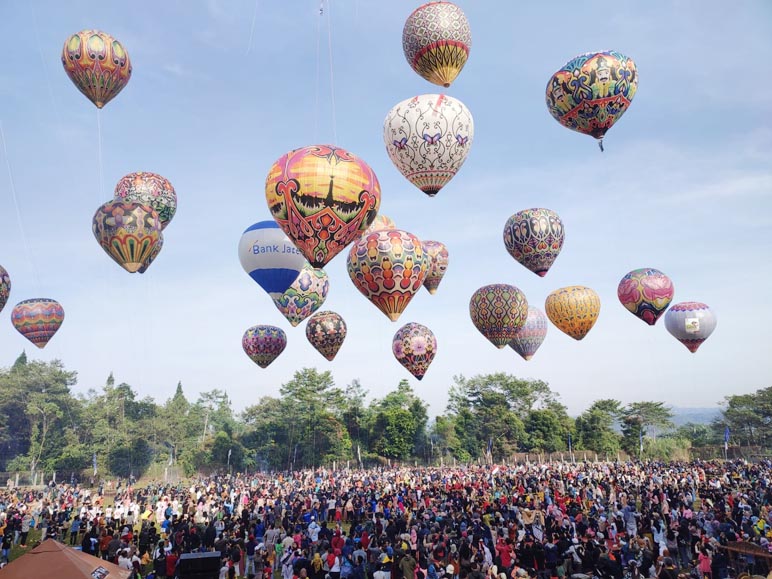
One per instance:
(694, 415)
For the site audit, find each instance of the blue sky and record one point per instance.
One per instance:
(685, 186)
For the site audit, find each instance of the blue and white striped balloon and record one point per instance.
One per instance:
(270, 258)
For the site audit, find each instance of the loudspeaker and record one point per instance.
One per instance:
(199, 565)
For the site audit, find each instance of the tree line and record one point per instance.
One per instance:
(45, 427)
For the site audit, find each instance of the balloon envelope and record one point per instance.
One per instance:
(436, 41)
(592, 91)
(528, 338)
(270, 258)
(534, 237)
(437, 256)
(691, 323)
(149, 189)
(428, 138)
(326, 332)
(498, 311)
(380, 222)
(263, 344)
(38, 319)
(646, 293)
(5, 287)
(323, 198)
(388, 267)
(151, 258)
(97, 64)
(306, 295)
(128, 232)
(574, 310)
(414, 347)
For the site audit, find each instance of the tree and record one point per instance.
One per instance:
(595, 427)
(399, 423)
(641, 418)
(749, 417)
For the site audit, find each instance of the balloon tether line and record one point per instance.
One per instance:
(252, 28)
(318, 67)
(332, 78)
(99, 154)
(27, 250)
(600, 144)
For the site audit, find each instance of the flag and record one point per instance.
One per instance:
(569, 443)
(229, 455)
(95, 463)
(640, 440)
(726, 438)
(490, 446)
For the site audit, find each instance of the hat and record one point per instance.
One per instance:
(522, 573)
(668, 562)
(450, 570)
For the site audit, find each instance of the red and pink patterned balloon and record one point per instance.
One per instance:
(437, 255)
(38, 320)
(646, 293)
(128, 233)
(414, 346)
(263, 344)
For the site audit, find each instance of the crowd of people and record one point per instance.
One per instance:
(610, 520)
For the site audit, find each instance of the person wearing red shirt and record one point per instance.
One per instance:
(171, 563)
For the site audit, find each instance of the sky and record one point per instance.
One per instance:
(222, 88)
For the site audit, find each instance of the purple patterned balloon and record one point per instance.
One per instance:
(646, 293)
(534, 237)
(414, 347)
(5, 287)
(437, 254)
(306, 295)
(528, 338)
(263, 344)
(326, 332)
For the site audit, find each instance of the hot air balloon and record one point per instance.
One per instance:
(592, 91)
(306, 295)
(326, 332)
(428, 138)
(151, 258)
(323, 198)
(38, 320)
(414, 347)
(574, 310)
(5, 287)
(149, 189)
(380, 222)
(97, 64)
(270, 258)
(388, 267)
(128, 232)
(436, 41)
(691, 323)
(498, 311)
(437, 256)
(646, 293)
(528, 338)
(534, 237)
(263, 344)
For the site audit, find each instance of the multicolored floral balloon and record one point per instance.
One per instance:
(528, 338)
(691, 323)
(306, 295)
(323, 197)
(437, 256)
(270, 258)
(646, 293)
(263, 344)
(592, 91)
(436, 41)
(5, 287)
(534, 237)
(498, 311)
(326, 332)
(574, 310)
(97, 64)
(380, 222)
(414, 347)
(128, 232)
(388, 267)
(428, 138)
(151, 258)
(38, 319)
(149, 189)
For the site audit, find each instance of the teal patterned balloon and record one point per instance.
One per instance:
(528, 338)
(306, 295)
(326, 332)
(414, 347)
(5, 287)
(498, 311)
(263, 344)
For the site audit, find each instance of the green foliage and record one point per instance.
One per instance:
(595, 427)
(749, 417)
